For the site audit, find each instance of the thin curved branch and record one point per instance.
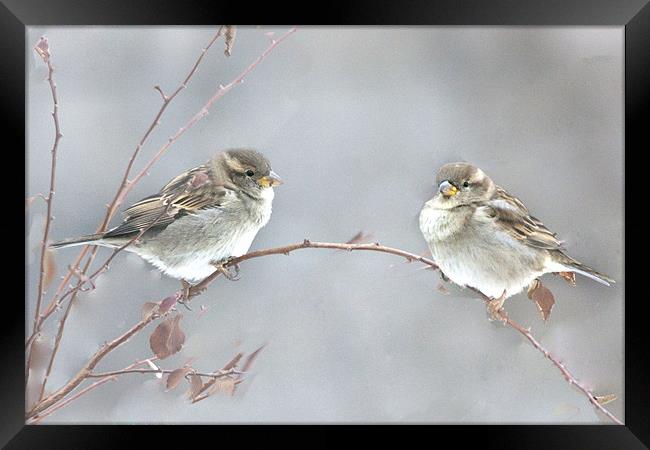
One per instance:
(43, 50)
(286, 250)
(222, 374)
(37, 418)
(88, 367)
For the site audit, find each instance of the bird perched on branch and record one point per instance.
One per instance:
(199, 219)
(482, 237)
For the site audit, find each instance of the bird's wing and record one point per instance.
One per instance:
(186, 194)
(512, 216)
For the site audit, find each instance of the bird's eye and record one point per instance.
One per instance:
(250, 173)
(466, 184)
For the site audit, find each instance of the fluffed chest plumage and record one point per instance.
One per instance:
(472, 253)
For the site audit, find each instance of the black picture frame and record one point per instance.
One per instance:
(15, 15)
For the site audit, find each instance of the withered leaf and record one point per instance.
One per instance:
(233, 362)
(176, 376)
(542, 297)
(605, 399)
(231, 32)
(570, 277)
(196, 386)
(248, 362)
(168, 338)
(167, 303)
(49, 267)
(148, 308)
(42, 47)
(225, 384)
(442, 289)
(360, 238)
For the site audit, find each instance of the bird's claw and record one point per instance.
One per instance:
(231, 272)
(186, 294)
(185, 302)
(495, 308)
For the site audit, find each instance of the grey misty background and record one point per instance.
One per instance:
(356, 120)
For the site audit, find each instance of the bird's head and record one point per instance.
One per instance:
(249, 170)
(461, 184)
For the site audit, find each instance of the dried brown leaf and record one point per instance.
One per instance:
(233, 362)
(148, 308)
(176, 376)
(226, 385)
(569, 277)
(542, 297)
(442, 289)
(168, 338)
(196, 386)
(360, 238)
(250, 359)
(167, 303)
(42, 47)
(231, 32)
(49, 267)
(605, 399)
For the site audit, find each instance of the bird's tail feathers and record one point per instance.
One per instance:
(90, 239)
(574, 266)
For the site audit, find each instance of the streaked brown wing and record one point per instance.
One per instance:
(513, 217)
(185, 194)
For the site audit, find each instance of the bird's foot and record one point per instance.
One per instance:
(186, 294)
(495, 308)
(231, 272)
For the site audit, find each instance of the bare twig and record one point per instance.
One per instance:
(37, 418)
(308, 244)
(88, 367)
(114, 204)
(43, 49)
(412, 257)
(86, 279)
(568, 376)
(221, 91)
(225, 373)
(127, 184)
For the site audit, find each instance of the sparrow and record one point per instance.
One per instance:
(484, 238)
(198, 220)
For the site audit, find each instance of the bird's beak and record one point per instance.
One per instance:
(447, 189)
(272, 179)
